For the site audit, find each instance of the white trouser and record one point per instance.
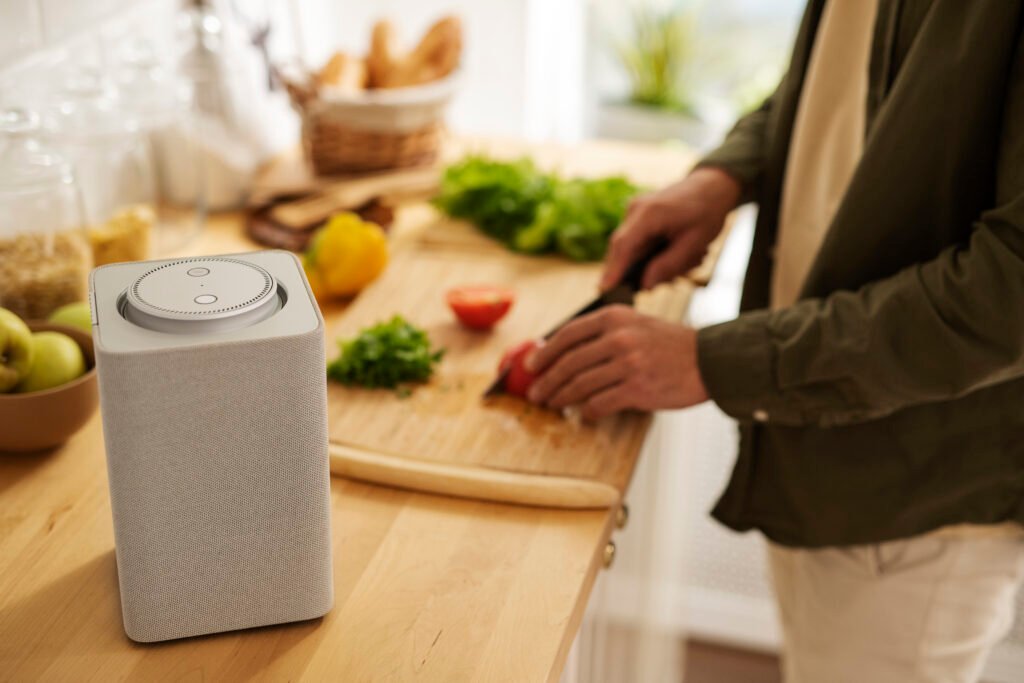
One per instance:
(924, 609)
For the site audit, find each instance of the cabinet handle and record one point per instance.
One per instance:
(622, 516)
(609, 554)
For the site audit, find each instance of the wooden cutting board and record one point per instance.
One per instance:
(445, 421)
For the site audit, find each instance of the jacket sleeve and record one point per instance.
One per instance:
(931, 332)
(743, 152)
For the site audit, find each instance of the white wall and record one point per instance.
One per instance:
(522, 71)
(31, 30)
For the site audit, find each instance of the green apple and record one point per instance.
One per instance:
(58, 359)
(74, 315)
(15, 350)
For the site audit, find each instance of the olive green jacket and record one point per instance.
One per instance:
(889, 400)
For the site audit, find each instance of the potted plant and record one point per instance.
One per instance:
(659, 105)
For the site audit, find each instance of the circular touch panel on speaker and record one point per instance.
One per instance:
(229, 295)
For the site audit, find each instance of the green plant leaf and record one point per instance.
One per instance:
(655, 56)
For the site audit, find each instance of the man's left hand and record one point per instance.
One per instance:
(617, 359)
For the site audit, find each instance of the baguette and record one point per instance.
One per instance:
(383, 55)
(343, 72)
(436, 55)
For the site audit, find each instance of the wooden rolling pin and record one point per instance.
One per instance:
(466, 481)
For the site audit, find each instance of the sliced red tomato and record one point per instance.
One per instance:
(480, 306)
(518, 379)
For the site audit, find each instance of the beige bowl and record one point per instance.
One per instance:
(48, 418)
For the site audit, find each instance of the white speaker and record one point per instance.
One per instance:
(214, 400)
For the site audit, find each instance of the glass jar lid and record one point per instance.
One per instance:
(25, 164)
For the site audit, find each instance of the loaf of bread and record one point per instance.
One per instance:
(383, 55)
(435, 56)
(343, 72)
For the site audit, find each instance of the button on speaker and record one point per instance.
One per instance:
(175, 296)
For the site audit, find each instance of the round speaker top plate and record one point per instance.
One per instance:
(201, 295)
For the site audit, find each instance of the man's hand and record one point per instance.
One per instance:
(689, 214)
(617, 359)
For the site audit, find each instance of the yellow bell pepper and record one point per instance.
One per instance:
(345, 255)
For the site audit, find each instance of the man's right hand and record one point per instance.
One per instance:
(689, 214)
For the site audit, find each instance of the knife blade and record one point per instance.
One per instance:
(622, 293)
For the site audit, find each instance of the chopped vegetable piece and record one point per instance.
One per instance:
(385, 355)
(481, 306)
(519, 379)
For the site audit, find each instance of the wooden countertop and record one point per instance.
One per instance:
(426, 587)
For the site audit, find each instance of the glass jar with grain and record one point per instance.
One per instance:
(91, 125)
(45, 256)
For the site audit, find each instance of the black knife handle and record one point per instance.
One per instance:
(634, 277)
(622, 293)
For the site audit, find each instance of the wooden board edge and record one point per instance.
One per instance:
(575, 622)
(466, 481)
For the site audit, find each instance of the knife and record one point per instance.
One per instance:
(622, 293)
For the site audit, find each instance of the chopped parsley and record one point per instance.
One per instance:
(387, 355)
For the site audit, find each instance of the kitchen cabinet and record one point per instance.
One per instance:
(426, 587)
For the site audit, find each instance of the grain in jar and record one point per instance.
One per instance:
(40, 273)
(45, 256)
(125, 236)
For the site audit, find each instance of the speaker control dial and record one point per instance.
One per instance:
(202, 295)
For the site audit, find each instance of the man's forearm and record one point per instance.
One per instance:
(931, 332)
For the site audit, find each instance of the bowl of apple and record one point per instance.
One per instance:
(47, 378)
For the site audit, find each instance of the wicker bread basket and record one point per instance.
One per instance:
(372, 130)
